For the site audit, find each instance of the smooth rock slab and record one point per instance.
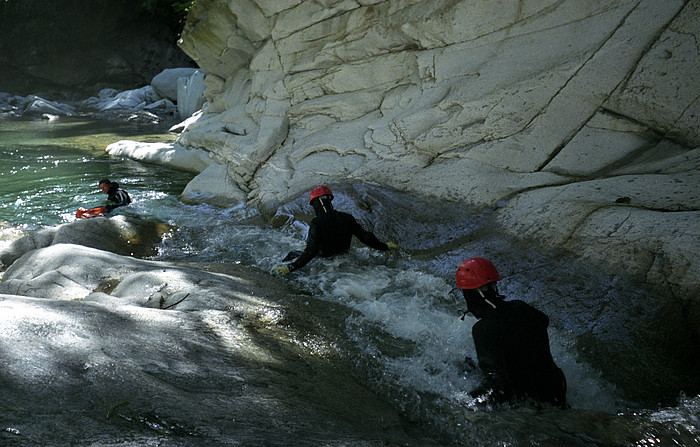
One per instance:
(109, 349)
(119, 234)
(83, 373)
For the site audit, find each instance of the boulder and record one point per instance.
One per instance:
(69, 271)
(119, 234)
(166, 82)
(136, 352)
(167, 154)
(40, 106)
(213, 186)
(15, 249)
(190, 94)
(129, 99)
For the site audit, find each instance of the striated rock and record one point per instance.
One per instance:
(577, 122)
(190, 94)
(663, 91)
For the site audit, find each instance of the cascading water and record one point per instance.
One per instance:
(390, 318)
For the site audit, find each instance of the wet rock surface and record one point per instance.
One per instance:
(149, 351)
(553, 113)
(118, 234)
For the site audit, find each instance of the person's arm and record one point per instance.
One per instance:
(492, 363)
(367, 237)
(313, 246)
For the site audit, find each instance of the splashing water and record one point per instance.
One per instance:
(393, 317)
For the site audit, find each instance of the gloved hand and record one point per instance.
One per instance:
(392, 245)
(280, 270)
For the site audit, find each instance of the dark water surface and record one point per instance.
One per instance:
(390, 317)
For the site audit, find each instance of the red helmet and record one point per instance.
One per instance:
(320, 191)
(476, 272)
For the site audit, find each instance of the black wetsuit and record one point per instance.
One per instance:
(512, 347)
(117, 196)
(331, 234)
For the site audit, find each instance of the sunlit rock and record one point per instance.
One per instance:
(481, 103)
(119, 234)
(190, 94)
(70, 271)
(165, 83)
(166, 154)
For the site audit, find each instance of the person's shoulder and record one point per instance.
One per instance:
(345, 217)
(485, 327)
(522, 307)
(517, 304)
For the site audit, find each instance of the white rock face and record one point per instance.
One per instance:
(580, 119)
(190, 94)
(166, 154)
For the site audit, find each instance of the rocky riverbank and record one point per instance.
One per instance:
(576, 124)
(114, 349)
(572, 127)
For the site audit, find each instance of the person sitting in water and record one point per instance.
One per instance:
(330, 234)
(115, 195)
(511, 340)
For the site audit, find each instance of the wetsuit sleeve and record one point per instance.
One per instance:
(491, 362)
(313, 246)
(120, 198)
(366, 237)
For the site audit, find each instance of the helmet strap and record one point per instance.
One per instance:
(481, 293)
(322, 205)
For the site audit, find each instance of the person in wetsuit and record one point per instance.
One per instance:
(511, 340)
(330, 234)
(117, 196)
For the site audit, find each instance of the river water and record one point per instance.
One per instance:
(400, 330)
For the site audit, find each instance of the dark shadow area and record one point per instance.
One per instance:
(74, 48)
(187, 378)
